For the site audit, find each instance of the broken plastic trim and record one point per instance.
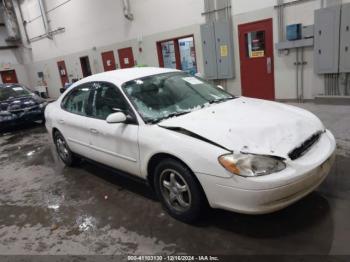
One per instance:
(301, 150)
(191, 134)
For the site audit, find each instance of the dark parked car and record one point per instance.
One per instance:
(18, 105)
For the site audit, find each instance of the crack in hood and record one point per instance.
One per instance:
(251, 126)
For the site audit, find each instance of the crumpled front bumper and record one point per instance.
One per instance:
(269, 194)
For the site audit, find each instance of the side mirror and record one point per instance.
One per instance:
(116, 118)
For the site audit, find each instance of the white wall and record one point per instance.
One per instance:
(245, 6)
(91, 23)
(94, 26)
(285, 70)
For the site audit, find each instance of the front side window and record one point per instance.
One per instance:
(162, 96)
(107, 100)
(77, 101)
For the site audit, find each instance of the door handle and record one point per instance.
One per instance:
(61, 121)
(269, 65)
(94, 131)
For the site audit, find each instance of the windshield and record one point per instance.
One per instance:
(13, 92)
(168, 95)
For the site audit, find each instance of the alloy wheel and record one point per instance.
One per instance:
(175, 190)
(62, 148)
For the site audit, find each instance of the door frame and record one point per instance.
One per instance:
(270, 20)
(2, 72)
(81, 66)
(177, 50)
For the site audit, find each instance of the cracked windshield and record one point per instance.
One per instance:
(169, 95)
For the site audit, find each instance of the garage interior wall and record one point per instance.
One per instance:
(11, 58)
(92, 28)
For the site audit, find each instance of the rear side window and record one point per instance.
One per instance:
(78, 101)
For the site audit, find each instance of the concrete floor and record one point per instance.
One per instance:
(49, 209)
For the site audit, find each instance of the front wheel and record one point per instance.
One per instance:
(63, 150)
(179, 191)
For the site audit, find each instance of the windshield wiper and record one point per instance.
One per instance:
(176, 114)
(221, 100)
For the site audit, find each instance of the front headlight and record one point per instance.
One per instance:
(251, 165)
(42, 105)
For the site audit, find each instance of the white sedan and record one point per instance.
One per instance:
(194, 143)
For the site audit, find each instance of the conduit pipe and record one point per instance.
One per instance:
(302, 75)
(127, 10)
(24, 23)
(45, 19)
(280, 21)
(297, 74)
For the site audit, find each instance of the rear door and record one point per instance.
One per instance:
(115, 145)
(73, 120)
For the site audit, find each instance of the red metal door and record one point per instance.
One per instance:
(9, 77)
(126, 58)
(256, 55)
(62, 70)
(108, 61)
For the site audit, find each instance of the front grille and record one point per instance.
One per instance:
(301, 150)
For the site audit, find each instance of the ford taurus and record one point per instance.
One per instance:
(194, 143)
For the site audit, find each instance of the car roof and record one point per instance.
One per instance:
(122, 76)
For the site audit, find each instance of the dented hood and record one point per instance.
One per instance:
(251, 126)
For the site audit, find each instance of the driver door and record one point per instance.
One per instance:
(115, 145)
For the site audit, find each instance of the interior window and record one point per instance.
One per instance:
(169, 57)
(77, 102)
(178, 53)
(255, 42)
(107, 100)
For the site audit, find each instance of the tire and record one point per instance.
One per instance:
(63, 151)
(179, 191)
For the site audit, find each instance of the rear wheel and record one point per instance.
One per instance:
(179, 191)
(66, 155)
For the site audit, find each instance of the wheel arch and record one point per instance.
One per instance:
(157, 158)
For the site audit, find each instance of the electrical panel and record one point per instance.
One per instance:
(344, 65)
(327, 34)
(209, 53)
(307, 32)
(224, 49)
(217, 43)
